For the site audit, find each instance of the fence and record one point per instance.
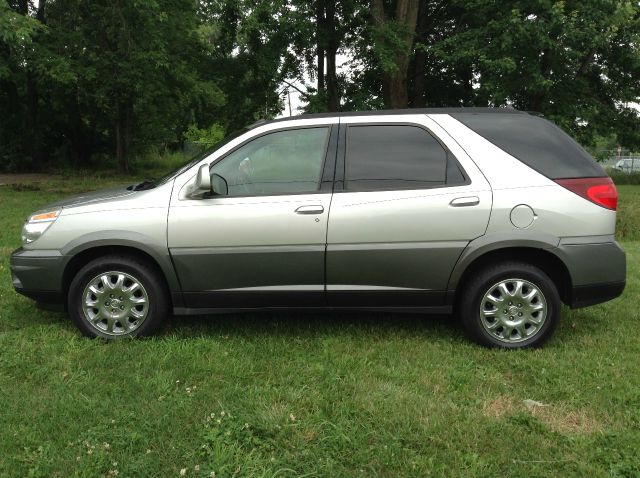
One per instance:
(627, 164)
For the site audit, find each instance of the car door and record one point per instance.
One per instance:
(262, 243)
(407, 202)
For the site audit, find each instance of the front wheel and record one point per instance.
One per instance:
(117, 296)
(510, 305)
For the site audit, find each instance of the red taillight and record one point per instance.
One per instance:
(600, 191)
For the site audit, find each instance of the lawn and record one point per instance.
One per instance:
(334, 395)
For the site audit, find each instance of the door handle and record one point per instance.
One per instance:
(463, 202)
(310, 210)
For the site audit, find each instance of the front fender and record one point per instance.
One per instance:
(122, 238)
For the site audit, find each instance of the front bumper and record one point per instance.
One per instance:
(598, 269)
(37, 274)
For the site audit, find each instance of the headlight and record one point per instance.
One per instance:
(37, 224)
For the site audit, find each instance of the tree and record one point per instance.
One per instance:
(246, 48)
(322, 30)
(107, 75)
(577, 62)
(110, 78)
(394, 30)
(18, 96)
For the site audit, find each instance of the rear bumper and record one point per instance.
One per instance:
(584, 296)
(598, 270)
(38, 275)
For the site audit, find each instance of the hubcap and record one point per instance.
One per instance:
(513, 310)
(115, 303)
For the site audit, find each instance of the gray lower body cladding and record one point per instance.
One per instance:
(598, 270)
(356, 277)
(38, 274)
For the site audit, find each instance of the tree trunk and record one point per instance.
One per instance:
(538, 99)
(40, 11)
(418, 97)
(32, 133)
(333, 97)
(123, 134)
(32, 137)
(320, 44)
(120, 144)
(466, 77)
(78, 146)
(394, 82)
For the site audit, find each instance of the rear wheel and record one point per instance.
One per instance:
(117, 296)
(510, 305)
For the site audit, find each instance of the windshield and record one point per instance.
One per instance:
(199, 157)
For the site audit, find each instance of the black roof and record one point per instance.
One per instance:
(395, 112)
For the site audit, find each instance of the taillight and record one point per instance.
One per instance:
(600, 191)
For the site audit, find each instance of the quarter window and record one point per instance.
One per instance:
(283, 162)
(397, 157)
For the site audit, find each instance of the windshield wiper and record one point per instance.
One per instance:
(146, 184)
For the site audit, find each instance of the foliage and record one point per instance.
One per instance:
(86, 81)
(246, 45)
(118, 77)
(204, 137)
(577, 62)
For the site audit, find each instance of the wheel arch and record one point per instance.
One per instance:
(82, 254)
(540, 253)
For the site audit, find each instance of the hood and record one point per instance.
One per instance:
(92, 197)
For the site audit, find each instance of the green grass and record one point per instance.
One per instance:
(628, 224)
(315, 394)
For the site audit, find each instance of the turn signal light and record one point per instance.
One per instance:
(47, 216)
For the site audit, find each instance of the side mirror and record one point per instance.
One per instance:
(219, 185)
(201, 184)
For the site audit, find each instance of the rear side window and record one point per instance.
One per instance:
(397, 157)
(536, 142)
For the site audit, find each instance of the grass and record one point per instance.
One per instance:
(286, 395)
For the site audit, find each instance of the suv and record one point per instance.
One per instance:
(628, 165)
(494, 214)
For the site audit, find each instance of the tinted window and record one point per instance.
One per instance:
(277, 163)
(395, 157)
(536, 142)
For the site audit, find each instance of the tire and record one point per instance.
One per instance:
(510, 305)
(118, 296)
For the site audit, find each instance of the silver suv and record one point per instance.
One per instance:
(494, 214)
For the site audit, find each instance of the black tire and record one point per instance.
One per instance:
(472, 299)
(153, 290)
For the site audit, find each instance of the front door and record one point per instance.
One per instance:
(262, 244)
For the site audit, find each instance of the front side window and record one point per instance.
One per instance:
(283, 162)
(397, 157)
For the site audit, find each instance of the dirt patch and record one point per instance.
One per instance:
(556, 416)
(499, 407)
(26, 178)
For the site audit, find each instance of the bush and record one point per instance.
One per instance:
(620, 177)
(205, 138)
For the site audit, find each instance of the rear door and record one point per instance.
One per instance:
(407, 201)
